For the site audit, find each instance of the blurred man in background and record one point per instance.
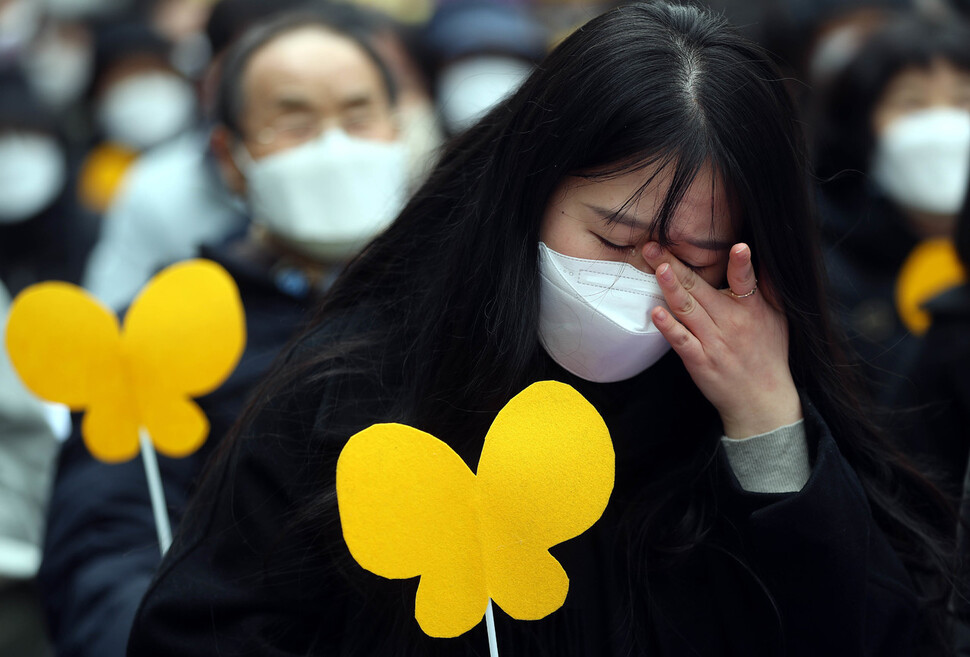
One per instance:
(306, 134)
(173, 200)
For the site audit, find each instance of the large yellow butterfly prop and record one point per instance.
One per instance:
(182, 338)
(409, 507)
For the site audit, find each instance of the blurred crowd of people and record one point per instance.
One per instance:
(138, 133)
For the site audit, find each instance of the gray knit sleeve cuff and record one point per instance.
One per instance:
(773, 462)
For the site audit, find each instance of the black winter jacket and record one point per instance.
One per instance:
(261, 568)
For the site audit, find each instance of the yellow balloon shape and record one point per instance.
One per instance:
(931, 268)
(182, 338)
(409, 507)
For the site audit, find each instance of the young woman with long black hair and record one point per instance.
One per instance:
(657, 148)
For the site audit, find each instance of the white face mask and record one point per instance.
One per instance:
(147, 109)
(58, 71)
(330, 196)
(922, 161)
(594, 316)
(32, 174)
(470, 87)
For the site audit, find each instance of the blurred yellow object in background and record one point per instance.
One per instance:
(931, 268)
(406, 11)
(102, 173)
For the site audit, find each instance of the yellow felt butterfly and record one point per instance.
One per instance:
(409, 506)
(182, 337)
(932, 267)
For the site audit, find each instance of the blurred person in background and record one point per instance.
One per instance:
(936, 391)
(836, 40)
(20, 21)
(183, 23)
(788, 29)
(58, 65)
(306, 133)
(44, 234)
(52, 43)
(893, 150)
(313, 146)
(173, 200)
(138, 100)
(484, 50)
(27, 451)
(936, 387)
(409, 56)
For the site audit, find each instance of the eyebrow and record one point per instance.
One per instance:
(356, 100)
(628, 219)
(293, 104)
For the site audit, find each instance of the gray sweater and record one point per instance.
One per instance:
(773, 462)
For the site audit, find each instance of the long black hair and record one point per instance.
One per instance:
(451, 288)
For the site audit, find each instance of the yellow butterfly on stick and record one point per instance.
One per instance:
(182, 337)
(410, 507)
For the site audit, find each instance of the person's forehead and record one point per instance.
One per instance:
(310, 61)
(705, 200)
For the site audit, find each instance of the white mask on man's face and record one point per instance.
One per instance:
(32, 173)
(922, 160)
(594, 316)
(147, 109)
(330, 196)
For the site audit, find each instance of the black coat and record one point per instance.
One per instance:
(261, 567)
(865, 243)
(101, 547)
(934, 398)
(937, 428)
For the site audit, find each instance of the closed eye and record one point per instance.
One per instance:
(611, 245)
(623, 248)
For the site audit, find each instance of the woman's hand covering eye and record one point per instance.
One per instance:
(733, 342)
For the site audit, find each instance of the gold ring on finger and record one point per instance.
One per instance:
(746, 294)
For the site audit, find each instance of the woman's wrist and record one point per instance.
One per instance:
(762, 416)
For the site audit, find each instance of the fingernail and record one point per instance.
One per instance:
(652, 250)
(739, 250)
(660, 315)
(663, 271)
